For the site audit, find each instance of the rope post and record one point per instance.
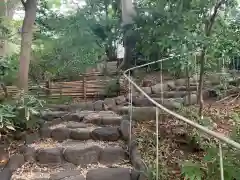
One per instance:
(157, 132)
(221, 160)
(130, 108)
(84, 88)
(48, 85)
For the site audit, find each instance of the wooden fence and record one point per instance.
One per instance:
(90, 86)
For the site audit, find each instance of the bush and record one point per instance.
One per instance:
(21, 114)
(112, 88)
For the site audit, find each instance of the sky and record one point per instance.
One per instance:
(70, 5)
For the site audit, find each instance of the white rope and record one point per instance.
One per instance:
(186, 120)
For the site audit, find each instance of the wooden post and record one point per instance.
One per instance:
(61, 92)
(84, 88)
(48, 85)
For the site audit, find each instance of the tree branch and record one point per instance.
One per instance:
(212, 17)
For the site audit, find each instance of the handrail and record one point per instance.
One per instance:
(188, 121)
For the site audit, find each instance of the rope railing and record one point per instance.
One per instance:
(220, 137)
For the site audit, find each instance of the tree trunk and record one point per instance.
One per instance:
(3, 15)
(188, 84)
(129, 41)
(201, 78)
(30, 7)
(208, 29)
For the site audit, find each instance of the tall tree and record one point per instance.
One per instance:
(7, 8)
(128, 13)
(30, 7)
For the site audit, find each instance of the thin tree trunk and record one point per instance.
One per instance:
(188, 85)
(3, 15)
(201, 78)
(128, 12)
(208, 29)
(7, 8)
(30, 7)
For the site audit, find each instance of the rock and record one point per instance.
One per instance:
(73, 117)
(145, 113)
(80, 134)
(169, 103)
(125, 129)
(45, 132)
(60, 134)
(180, 82)
(171, 85)
(146, 83)
(135, 174)
(106, 134)
(49, 156)
(135, 158)
(6, 174)
(15, 162)
(159, 87)
(93, 118)
(193, 98)
(54, 122)
(40, 122)
(89, 106)
(185, 88)
(29, 153)
(147, 90)
(142, 101)
(142, 176)
(82, 114)
(120, 100)
(37, 176)
(98, 105)
(110, 103)
(79, 177)
(31, 138)
(109, 174)
(66, 174)
(75, 125)
(50, 115)
(81, 106)
(82, 154)
(111, 155)
(111, 119)
(134, 96)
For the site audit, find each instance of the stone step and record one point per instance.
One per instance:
(172, 94)
(99, 118)
(169, 103)
(141, 113)
(101, 173)
(80, 131)
(79, 153)
(99, 105)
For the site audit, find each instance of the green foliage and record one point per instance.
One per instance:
(208, 167)
(68, 44)
(112, 88)
(9, 73)
(192, 170)
(20, 115)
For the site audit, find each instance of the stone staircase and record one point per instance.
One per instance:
(91, 140)
(75, 145)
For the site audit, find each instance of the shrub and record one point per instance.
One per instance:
(20, 114)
